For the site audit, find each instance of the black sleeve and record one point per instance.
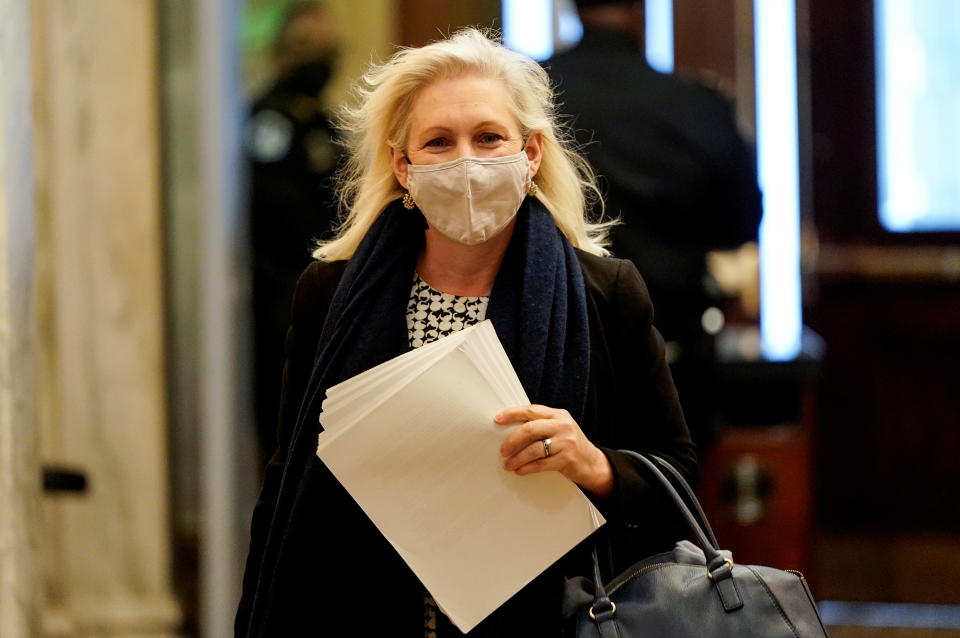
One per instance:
(311, 300)
(648, 416)
(739, 205)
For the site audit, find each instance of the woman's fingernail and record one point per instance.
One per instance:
(499, 417)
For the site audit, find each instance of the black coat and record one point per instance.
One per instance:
(672, 163)
(340, 576)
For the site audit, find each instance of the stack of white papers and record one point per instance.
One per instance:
(414, 442)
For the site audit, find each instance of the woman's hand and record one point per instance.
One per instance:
(570, 452)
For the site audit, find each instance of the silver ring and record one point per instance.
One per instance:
(546, 446)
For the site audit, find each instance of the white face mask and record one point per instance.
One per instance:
(470, 199)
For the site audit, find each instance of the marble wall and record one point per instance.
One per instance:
(19, 469)
(102, 391)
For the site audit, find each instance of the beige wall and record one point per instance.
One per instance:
(99, 264)
(367, 34)
(19, 466)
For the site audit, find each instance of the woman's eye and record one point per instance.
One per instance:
(436, 142)
(490, 138)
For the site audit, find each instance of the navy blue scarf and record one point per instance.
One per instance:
(537, 306)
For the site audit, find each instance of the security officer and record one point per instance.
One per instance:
(678, 174)
(292, 158)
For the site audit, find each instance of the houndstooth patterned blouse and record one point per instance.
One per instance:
(432, 314)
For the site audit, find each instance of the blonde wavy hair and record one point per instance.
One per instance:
(367, 184)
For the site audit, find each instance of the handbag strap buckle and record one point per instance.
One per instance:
(726, 563)
(722, 577)
(605, 613)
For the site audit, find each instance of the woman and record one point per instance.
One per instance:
(464, 203)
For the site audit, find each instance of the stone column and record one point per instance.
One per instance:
(19, 468)
(107, 553)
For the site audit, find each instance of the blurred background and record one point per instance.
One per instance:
(165, 165)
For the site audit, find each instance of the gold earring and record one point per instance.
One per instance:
(532, 188)
(408, 202)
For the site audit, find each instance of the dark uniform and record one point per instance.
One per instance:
(676, 170)
(290, 145)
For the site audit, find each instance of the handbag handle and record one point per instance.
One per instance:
(719, 569)
(691, 500)
(709, 548)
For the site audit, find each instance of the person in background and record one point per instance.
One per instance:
(676, 170)
(466, 203)
(292, 158)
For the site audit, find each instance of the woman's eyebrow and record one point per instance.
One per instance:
(435, 130)
(489, 123)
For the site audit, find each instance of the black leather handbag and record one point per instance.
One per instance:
(684, 593)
